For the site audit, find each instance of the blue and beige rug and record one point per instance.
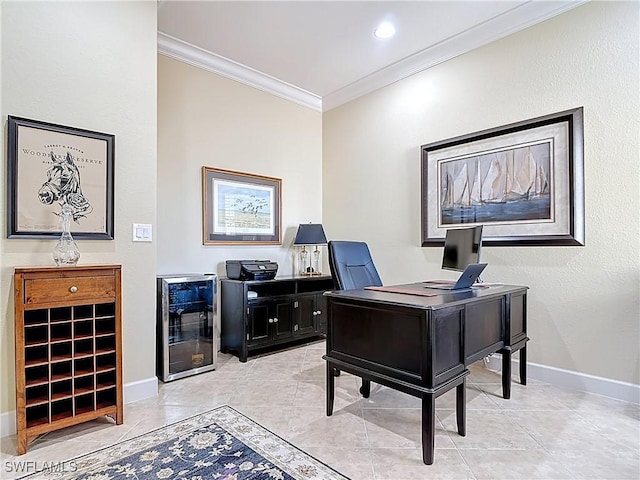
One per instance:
(220, 444)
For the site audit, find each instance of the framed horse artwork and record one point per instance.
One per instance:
(50, 166)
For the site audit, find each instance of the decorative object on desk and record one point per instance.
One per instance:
(220, 443)
(50, 166)
(66, 252)
(524, 182)
(240, 208)
(310, 234)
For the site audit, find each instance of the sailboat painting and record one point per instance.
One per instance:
(508, 185)
(524, 182)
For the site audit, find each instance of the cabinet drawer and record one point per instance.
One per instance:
(46, 290)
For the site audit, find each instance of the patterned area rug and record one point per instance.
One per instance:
(220, 444)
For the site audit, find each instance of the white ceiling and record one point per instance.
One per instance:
(323, 53)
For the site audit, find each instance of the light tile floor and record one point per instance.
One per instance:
(543, 431)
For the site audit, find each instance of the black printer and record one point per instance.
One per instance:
(251, 269)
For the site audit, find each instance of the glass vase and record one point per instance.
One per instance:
(66, 251)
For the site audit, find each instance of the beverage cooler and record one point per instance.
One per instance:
(186, 325)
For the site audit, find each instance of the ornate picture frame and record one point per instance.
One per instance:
(52, 165)
(240, 208)
(523, 182)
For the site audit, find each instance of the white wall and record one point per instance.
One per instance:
(91, 65)
(208, 120)
(583, 302)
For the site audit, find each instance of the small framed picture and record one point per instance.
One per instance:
(240, 208)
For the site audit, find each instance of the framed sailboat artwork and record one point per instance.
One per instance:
(523, 182)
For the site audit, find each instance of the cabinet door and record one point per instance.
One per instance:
(258, 323)
(282, 319)
(321, 313)
(306, 314)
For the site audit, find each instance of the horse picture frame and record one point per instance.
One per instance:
(50, 166)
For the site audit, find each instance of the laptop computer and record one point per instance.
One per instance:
(466, 279)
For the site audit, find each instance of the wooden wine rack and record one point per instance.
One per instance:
(68, 347)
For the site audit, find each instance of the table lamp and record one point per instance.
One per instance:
(310, 234)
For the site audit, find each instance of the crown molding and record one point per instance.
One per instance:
(511, 21)
(507, 23)
(198, 57)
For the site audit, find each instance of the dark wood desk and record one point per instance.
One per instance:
(422, 345)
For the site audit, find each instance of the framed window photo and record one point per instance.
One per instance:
(523, 182)
(240, 208)
(52, 165)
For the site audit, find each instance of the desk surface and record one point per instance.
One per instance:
(439, 298)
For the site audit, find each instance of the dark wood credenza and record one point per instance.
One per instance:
(421, 345)
(265, 314)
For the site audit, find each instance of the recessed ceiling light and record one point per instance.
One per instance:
(384, 30)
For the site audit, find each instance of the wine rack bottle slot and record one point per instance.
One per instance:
(105, 361)
(61, 351)
(61, 409)
(83, 348)
(35, 317)
(83, 366)
(84, 403)
(105, 310)
(36, 355)
(36, 375)
(105, 343)
(60, 331)
(83, 312)
(82, 328)
(105, 397)
(61, 314)
(36, 335)
(105, 379)
(61, 389)
(105, 325)
(37, 394)
(37, 415)
(60, 370)
(83, 384)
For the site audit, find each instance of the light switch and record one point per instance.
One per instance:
(142, 232)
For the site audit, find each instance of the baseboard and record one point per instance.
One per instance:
(140, 390)
(8, 423)
(132, 392)
(627, 392)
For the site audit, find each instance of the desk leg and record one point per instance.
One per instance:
(461, 410)
(428, 428)
(365, 389)
(523, 365)
(506, 374)
(330, 389)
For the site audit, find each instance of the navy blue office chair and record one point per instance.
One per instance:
(351, 265)
(352, 268)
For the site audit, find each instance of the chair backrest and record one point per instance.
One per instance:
(351, 265)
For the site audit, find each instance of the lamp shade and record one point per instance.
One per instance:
(310, 234)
